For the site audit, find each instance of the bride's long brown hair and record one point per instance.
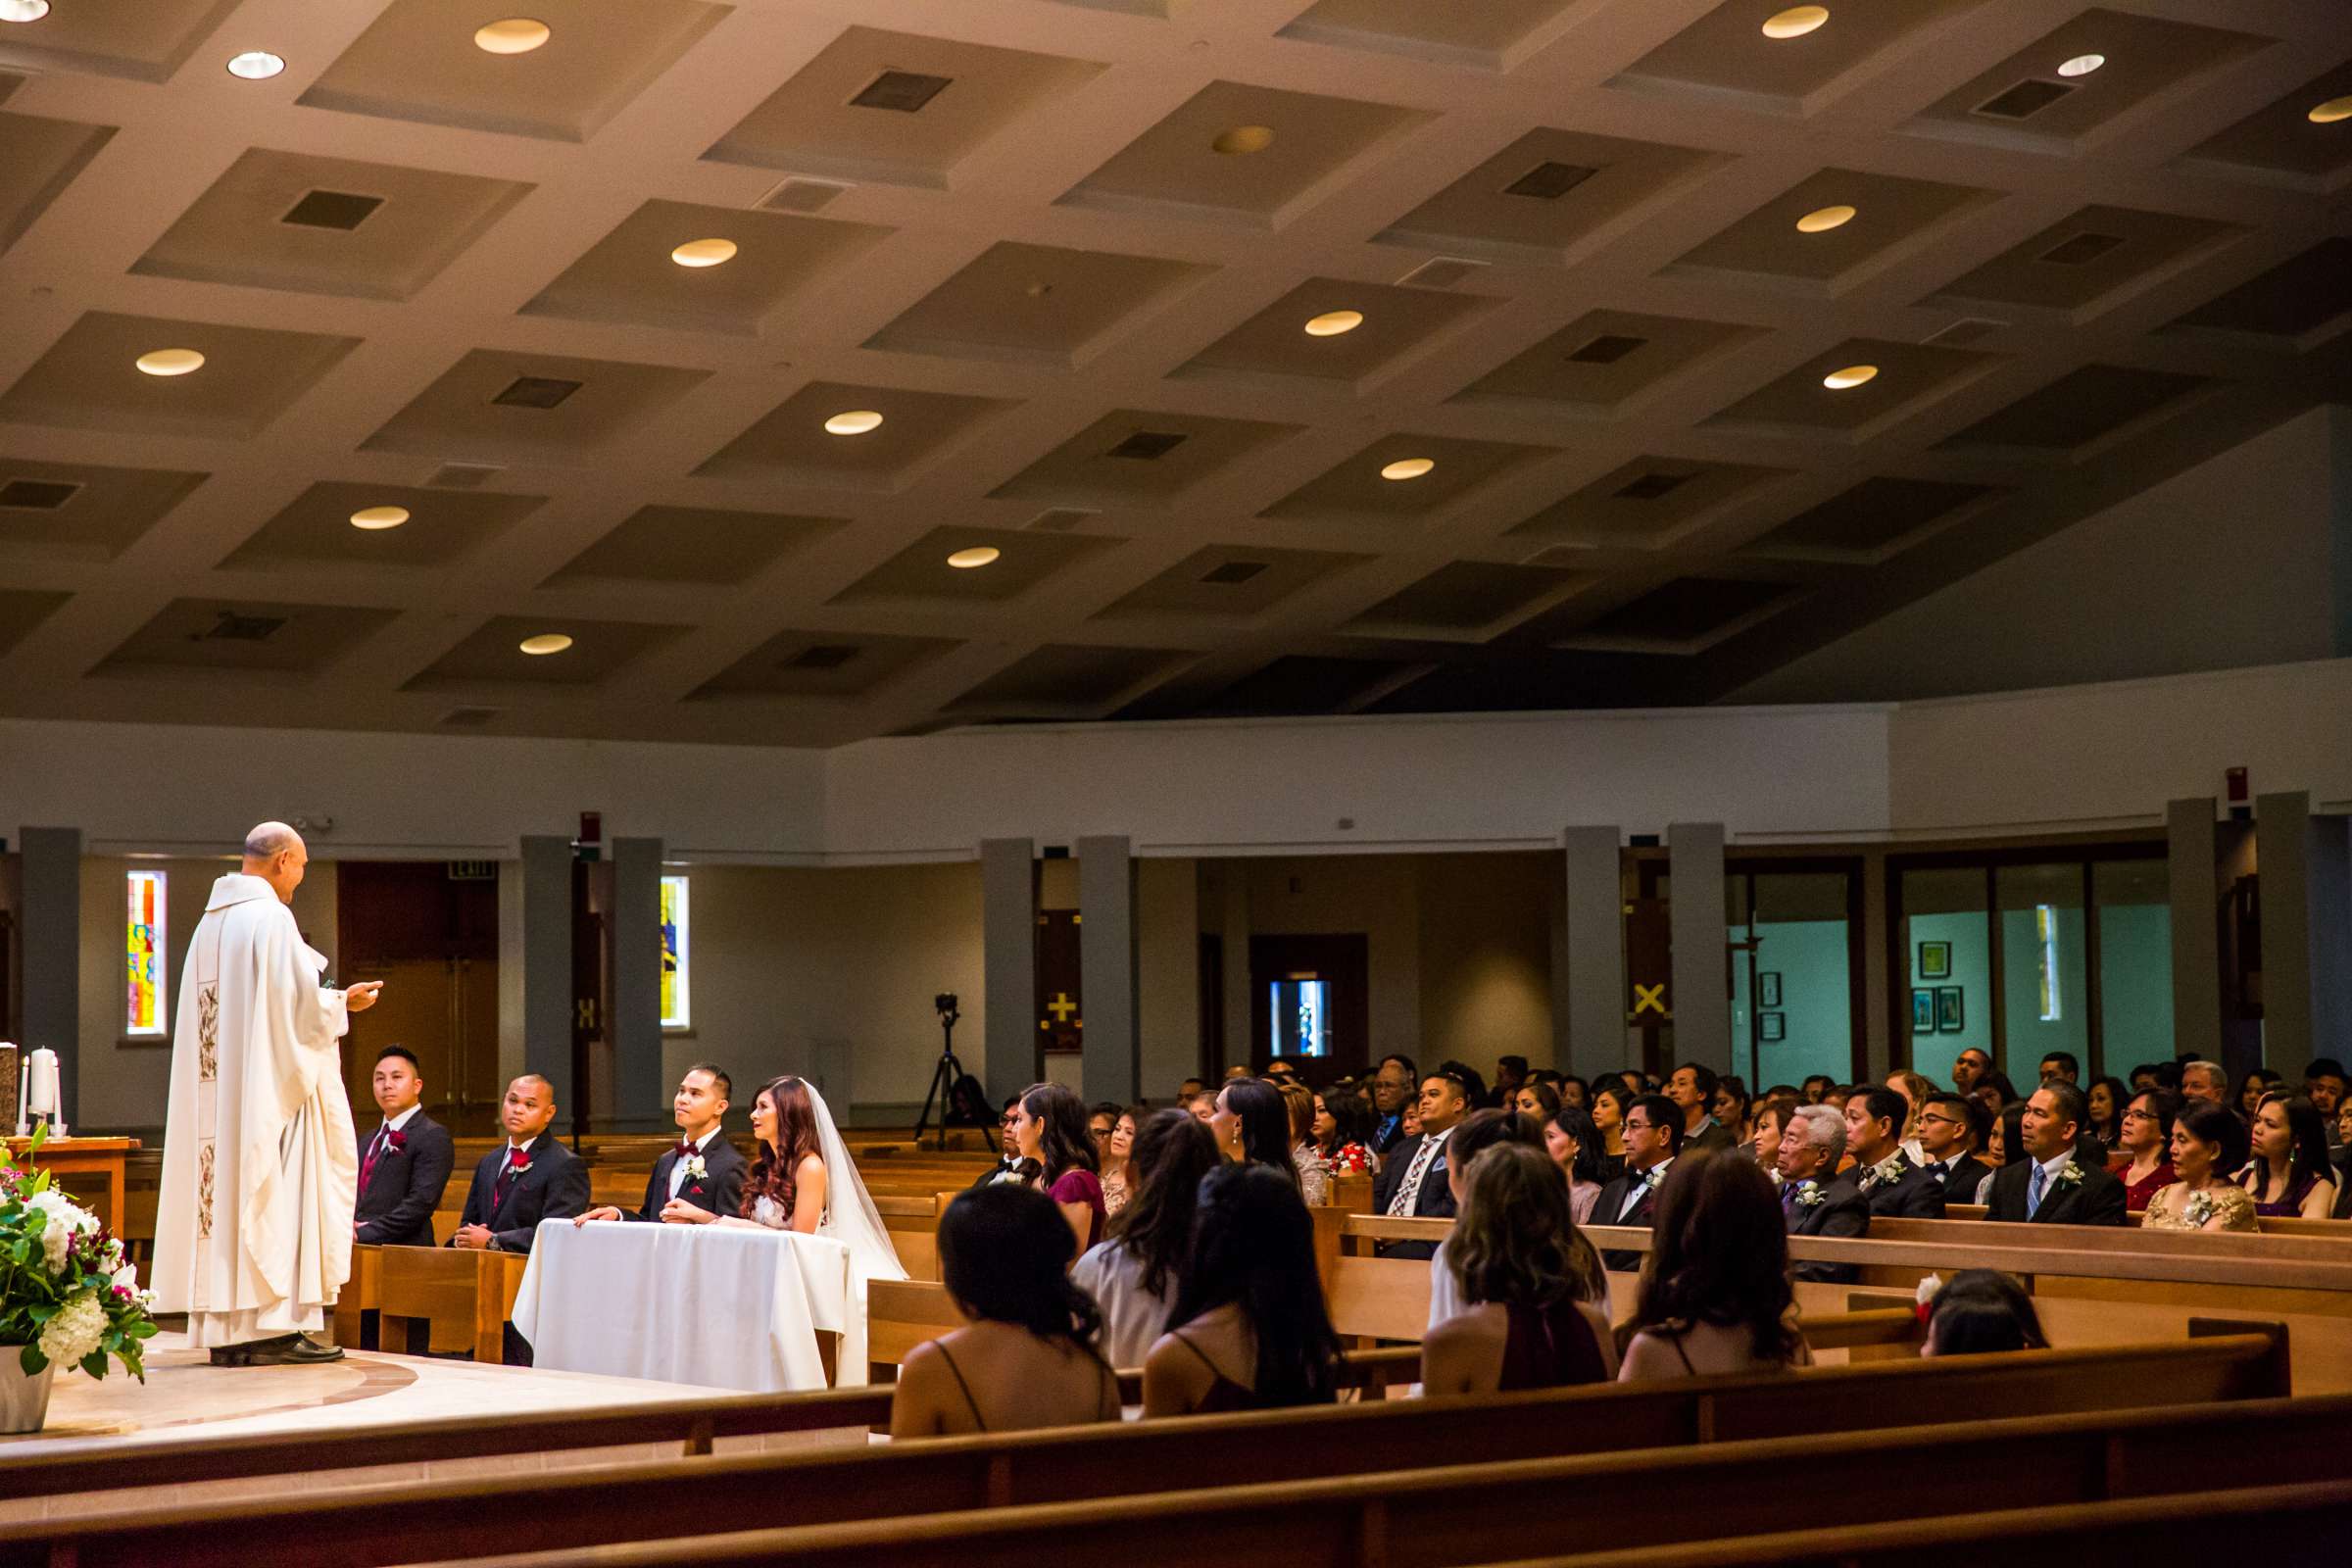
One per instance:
(796, 1129)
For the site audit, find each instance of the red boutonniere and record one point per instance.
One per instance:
(397, 1142)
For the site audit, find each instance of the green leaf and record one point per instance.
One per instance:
(40, 1135)
(32, 1360)
(94, 1363)
(144, 1328)
(42, 1311)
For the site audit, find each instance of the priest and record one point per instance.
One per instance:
(252, 1231)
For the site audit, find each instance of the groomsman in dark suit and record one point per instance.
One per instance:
(404, 1163)
(1874, 1131)
(703, 1168)
(1951, 1129)
(1815, 1201)
(531, 1178)
(1653, 1141)
(1413, 1183)
(2053, 1185)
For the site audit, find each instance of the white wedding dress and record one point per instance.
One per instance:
(850, 1216)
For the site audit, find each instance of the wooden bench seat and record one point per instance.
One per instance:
(1316, 1474)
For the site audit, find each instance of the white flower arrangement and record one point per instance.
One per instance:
(66, 1296)
(1890, 1170)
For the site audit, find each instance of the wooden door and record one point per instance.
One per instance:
(433, 939)
(1281, 969)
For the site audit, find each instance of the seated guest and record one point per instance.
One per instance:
(1133, 1273)
(1314, 1173)
(1343, 1130)
(2324, 1086)
(1732, 1109)
(1574, 1145)
(1770, 1121)
(1025, 1357)
(1412, 1179)
(1915, 1088)
(531, 1178)
(1479, 1132)
(1715, 1293)
(2289, 1174)
(1249, 1331)
(1009, 1166)
(2107, 1098)
(2054, 1185)
(2257, 1083)
(1653, 1136)
(1530, 1285)
(1896, 1188)
(1815, 1200)
(1202, 1105)
(1996, 1091)
(1691, 1088)
(1536, 1100)
(1112, 1128)
(1050, 1127)
(405, 1164)
(703, 1169)
(1611, 1097)
(1967, 1067)
(2142, 1159)
(1816, 1088)
(1979, 1311)
(2005, 1148)
(2208, 1143)
(1949, 1128)
(1575, 1091)
(2204, 1080)
(1252, 1124)
(1393, 1088)
(2063, 1065)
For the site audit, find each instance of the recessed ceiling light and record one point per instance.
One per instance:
(23, 10)
(375, 517)
(546, 642)
(2333, 110)
(1331, 323)
(1243, 139)
(1407, 469)
(1853, 376)
(1822, 220)
(977, 555)
(516, 35)
(703, 252)
(2081, 65)
(170, 362)
(256, 64)
(1796, 22)
(854, 423)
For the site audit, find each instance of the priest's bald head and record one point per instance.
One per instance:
(275, 852)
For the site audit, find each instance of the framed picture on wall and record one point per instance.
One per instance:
(1923, 1013)
(1950, 1018)
(1772, 1027)
(1935, 960)
(1768, 989)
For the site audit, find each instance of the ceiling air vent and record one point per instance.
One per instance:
(1653, 486)
(37, 495)
(537, 392)
(1441, 272)
(1232, 573)
(332, 209)
(462, 475)
(1966, 330)
(2080, 250)
(799, 193)
(233, 627)
(906, 91)
(820, 656)
(1057, 520)
(467, 718)
(1607, 349)
(1549, 181)
(1148, 446)
(2025, 100)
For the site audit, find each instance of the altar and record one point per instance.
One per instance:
(721, 1306)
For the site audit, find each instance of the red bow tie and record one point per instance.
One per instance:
(686, 1151)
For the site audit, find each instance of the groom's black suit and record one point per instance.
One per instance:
(719, 1189)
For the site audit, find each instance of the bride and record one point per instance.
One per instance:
(804, 1180)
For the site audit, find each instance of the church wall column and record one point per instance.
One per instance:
(546, 959)
(1106, 959)
(1240, 996)
(1596, 981)
(2195, 891)
(1702, 972)
(51, 920)
(1009, 966)
(1876, 1006)
(641, 1093)
(2306, 929)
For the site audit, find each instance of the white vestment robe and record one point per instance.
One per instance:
(260, 1169)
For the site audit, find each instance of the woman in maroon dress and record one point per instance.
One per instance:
(2142, 1159)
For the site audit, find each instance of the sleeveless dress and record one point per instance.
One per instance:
(1549, 1347)
(1224, 1395)
(2291, 1203)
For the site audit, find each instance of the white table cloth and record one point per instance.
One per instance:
(722, 1306)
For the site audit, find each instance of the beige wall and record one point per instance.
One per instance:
(1486, 957)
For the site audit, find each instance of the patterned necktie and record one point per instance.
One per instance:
(2034, 1190)
(1409, 1189)
(376, 1151)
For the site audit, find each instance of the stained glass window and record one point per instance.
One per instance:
(143, 1011)
(678, 1006)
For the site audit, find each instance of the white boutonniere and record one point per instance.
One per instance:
(2198, 1209)
(1811, 1193)
(2072, 1176)
(1653, 1176)
(695, 1170)
(1890, 1170)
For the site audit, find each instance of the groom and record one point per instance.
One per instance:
(703, 1168)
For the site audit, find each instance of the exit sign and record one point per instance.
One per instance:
(473, 871)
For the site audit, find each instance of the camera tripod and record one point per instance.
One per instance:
(945, 1076)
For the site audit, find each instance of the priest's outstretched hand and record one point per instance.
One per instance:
(362, 997)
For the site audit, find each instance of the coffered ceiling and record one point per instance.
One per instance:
(1073, 359)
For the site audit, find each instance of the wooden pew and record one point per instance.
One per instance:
(1317, 1483)
(462, 1300)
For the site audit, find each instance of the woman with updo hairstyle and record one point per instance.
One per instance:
(1025, 1357)
(1715, 1293)
(1611, 1098)
(1253, 1125)
(1249, 1331)
(1978, 1311)
(1049, 1126)
(1574, 1145)
(1529, 1318)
